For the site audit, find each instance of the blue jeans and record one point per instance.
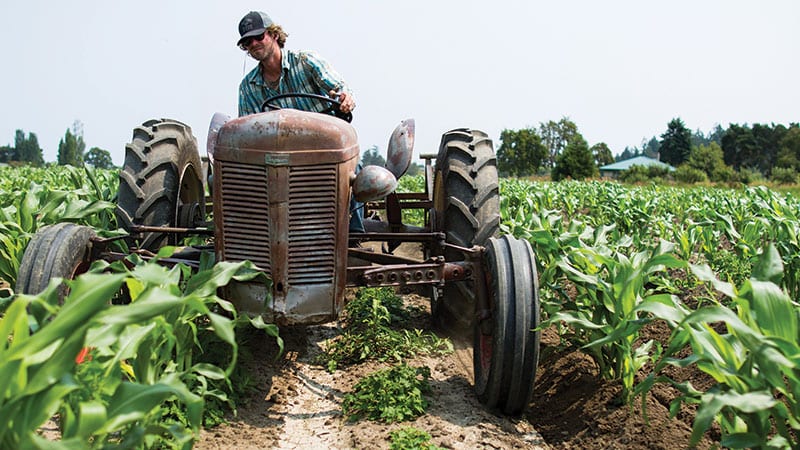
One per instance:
(356, 211)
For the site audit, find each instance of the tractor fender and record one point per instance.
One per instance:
(373, 183)
(401, 148)
(217, 121)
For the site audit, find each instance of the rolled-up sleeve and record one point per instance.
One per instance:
(323, 73)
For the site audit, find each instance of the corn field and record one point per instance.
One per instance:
(144, 374)
(719, 267)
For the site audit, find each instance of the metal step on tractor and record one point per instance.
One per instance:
(281, 184)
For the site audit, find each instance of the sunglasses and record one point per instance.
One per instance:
(249, 40)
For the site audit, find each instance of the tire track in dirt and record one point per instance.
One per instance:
(313, 416)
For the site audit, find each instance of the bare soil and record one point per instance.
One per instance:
(297, 404)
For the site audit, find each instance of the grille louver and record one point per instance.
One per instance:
(312, 222)
(246, 211)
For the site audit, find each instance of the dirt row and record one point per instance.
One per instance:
(298, 404)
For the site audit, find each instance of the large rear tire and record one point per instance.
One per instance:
(506, 347)
(160, 182)
(467, 209)
(56, 251)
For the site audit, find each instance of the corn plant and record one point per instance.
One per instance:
(604, 316)
(31, 198)
(146, 381)
(755, 362)
(412, 184)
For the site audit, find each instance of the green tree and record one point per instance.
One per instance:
(708, 159)
(372, 157)
(556, 136)
(27, 148)
(628, 153)
(739, 147)
(576, 161)
(71, 148)
(651, 148)
(716, 135)
(99, 158)
(602, 154)
(521, 152)
(68, 150)
(676, 143)
(789, 151)
(7, 153)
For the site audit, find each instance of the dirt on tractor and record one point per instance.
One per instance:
(296, 403)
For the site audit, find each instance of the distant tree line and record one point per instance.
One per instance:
(71, 150)
(557, 148)
(738, 153)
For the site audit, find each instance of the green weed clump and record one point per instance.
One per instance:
(369, 333)
(408, 438)
(389, 395)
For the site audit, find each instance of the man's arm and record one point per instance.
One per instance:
(248, 100)
(325, 76)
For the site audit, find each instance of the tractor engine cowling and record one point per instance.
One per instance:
(281, 190)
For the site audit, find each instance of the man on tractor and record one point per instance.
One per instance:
(280, 71)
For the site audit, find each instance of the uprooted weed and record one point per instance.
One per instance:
(373, 331)
(389, 395)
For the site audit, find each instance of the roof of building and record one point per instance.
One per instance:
(635, 161)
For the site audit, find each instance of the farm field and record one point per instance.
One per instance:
(657, 301)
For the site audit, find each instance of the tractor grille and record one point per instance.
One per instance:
(311, 216)
(312, 224)
(245, 221)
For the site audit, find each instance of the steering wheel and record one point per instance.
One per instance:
(334, 109)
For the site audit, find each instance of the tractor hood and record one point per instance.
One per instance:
(285, 130)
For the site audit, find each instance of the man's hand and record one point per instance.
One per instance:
(347, 101)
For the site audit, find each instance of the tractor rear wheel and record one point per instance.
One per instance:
(56, 251)
(467, 209)
(160, 183)
(506, 347)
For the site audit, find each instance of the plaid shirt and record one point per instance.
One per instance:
(302, 71)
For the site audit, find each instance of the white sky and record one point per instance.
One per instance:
(619, 69)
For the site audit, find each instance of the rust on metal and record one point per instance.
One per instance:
(410, 274)
(373, 183)
(178, 230)
(401, 148)
(281, 196)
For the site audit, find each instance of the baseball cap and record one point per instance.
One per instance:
(253, 24)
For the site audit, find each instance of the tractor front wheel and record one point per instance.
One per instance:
(506, 344)
(56, 251)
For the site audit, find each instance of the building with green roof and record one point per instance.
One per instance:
(613, 170)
